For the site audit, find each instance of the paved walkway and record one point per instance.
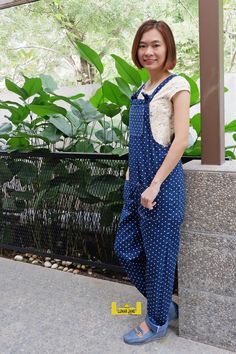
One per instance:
(51, 312)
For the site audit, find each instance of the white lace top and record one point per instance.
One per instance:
(161, 109)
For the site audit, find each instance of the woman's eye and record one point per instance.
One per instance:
(156, 45)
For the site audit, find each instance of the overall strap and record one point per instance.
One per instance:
(163, 83)
(150, 97)
(135, 94)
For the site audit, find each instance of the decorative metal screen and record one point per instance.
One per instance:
(68, 204)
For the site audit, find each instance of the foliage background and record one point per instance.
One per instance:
(39, 38)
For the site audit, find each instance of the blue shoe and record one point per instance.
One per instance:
(155, 333)
(173, 313)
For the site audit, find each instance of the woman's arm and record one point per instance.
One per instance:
(181, 102)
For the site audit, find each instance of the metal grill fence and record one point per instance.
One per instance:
(66, 204)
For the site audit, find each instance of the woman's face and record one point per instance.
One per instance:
(152, 50)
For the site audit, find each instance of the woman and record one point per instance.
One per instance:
(147, 239)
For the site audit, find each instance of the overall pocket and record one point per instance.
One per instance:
(149, 214)
(128, 204)
(136, 119)
(171, 202)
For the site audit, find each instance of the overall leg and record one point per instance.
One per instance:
(161, 242)
(129, 248)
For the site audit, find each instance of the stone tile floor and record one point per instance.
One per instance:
(51, 312)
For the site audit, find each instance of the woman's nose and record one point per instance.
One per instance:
(148, 50)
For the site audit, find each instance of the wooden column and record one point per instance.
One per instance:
(10, 3)
(212, 81)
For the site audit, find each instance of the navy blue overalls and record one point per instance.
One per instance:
(147, 241)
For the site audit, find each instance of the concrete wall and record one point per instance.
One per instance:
(207, 259)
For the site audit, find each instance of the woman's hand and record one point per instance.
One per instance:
(148, 196)
(127, 174)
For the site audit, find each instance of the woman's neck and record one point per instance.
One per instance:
(155, 77)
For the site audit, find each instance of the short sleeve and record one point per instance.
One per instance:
(177, 84)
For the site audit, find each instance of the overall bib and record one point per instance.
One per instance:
(147, 241)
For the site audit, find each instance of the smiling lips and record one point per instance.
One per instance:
(149, 61)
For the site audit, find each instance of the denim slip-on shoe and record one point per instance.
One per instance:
(156, 332)
(173, 313)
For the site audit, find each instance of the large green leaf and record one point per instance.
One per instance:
(47, 109)
(36, 122)
(74, 119)
(51, 133)
(144, 74)
(98, 98)
(5, 173)
(12, 102)
(114, 94)
(195, 96)
(11, 109)
(230, 154)
(9, 204)
(106, 215)
(230, 127)
(125, 117)
(106, 136)
(120, 135)
(104, 124)
(29, 134)
(88, 113)
(16, 143)
(14, 165)
(42, 99)
(195, 122)
(26, 195)
(50, 167)
(109, 109)
(100, 186)
(66, 99)
(86, 197)
(48, 82)
(106, 149)
(77, 96)
(84, 146)
(124, 87)
(19, 115)
(194, 150)
(62, 124)
(5, 128)
(127, 71)
(90, 56)
(11, 86)
(32, 86)
(120, 151)
(28, 173)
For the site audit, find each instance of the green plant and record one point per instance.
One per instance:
(97, 125)
(112, 99)
(35, 121)
(195, 123)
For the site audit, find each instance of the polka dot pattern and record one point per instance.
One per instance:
(147, 241)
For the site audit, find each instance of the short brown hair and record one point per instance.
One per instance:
(168, 37)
